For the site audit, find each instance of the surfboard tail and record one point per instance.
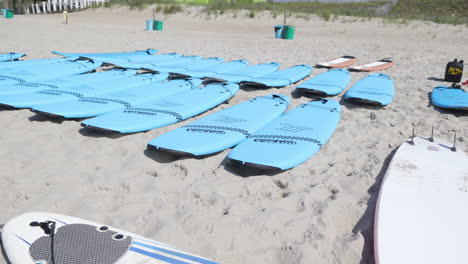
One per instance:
(250, 169)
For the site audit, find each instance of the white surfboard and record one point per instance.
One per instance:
(422, 210)
(340, 62)
(31, 239)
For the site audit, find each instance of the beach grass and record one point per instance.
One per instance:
(438, 11)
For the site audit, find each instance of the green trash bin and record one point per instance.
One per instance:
(9, 13)
(289, 32)
(158, 25)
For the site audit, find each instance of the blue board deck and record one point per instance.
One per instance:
(450, 97)
(82, 79)
(223, 129)
(211, 70)
(135, 60)
(377, 89)
(191, 65)
(11, 56)
(124, 54)
(10, 65)
(90, 106)
(243, 74)
(332, 82)
(288, 140)
(281, 78)
(48, 96)
(53, 70)
(164, 111)
(148, 64)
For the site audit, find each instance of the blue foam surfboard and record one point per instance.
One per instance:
(82, 79)
(165, 111)
(11, 56)
(133, 60)
(332, 82)
(9, 65)
(90, 106)
(53, 70)
(109, 54)
(211, 70)
(179, 61)
(288, 140)
(449, 97)
(54, 95)
(375, 89)
(191, 65)
(223, 129)
(281, 78)
(244, 74)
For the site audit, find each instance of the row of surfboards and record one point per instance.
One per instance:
(261, 75)
(175, 65)
(155, 104)
(377, 89)
(126, 102)
(424, 195)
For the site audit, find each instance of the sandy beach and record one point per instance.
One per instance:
(319, 212)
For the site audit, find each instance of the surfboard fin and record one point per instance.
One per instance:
(431, 138)
(412, 137)
(454, 148)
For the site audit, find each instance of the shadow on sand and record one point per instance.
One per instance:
(248, 169)
(356, 104)
(365, 225)
(44, 118)
(314, 96)
(436, 79)
(161, 156)
(167, 156)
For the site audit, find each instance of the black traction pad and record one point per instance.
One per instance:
(81, 244)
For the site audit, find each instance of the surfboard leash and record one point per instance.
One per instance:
(49, 229)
